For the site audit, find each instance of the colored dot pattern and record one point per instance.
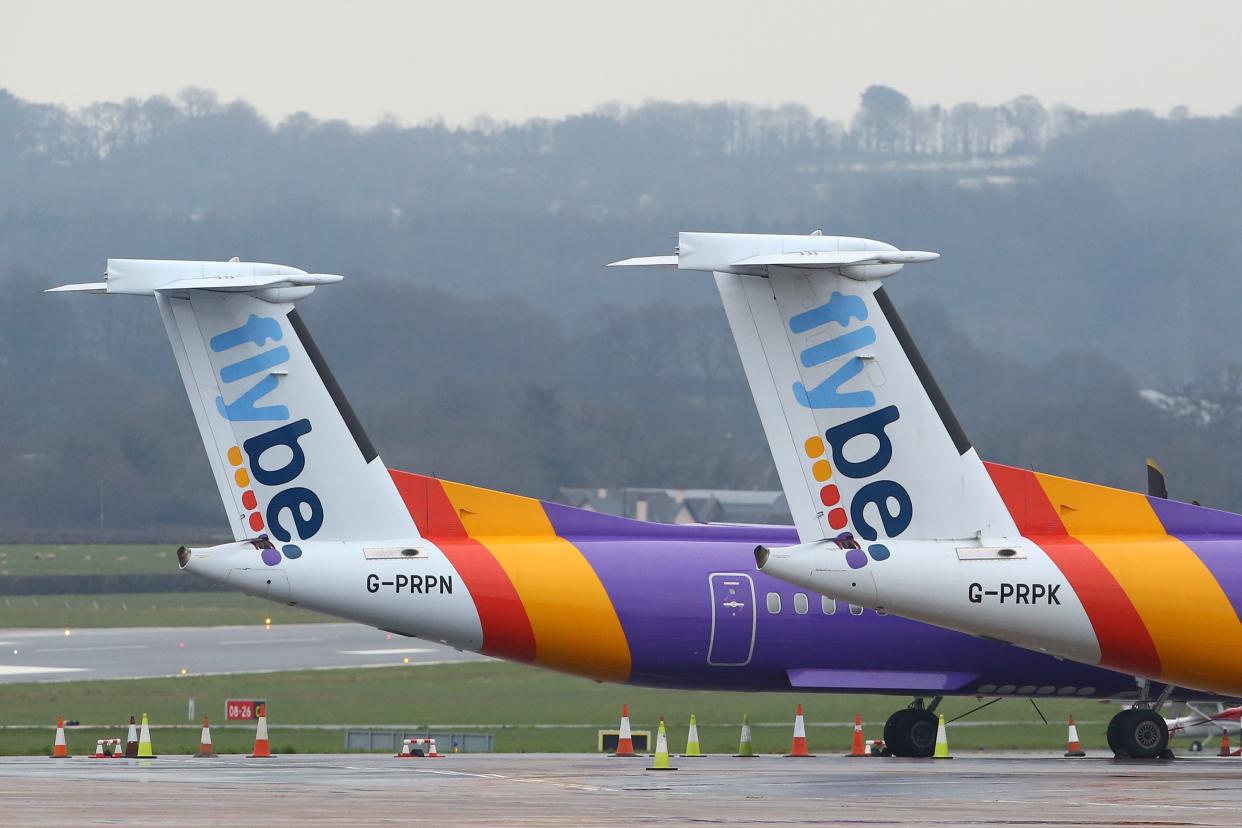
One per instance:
(838, 519)
(821, 470)
(254, 518)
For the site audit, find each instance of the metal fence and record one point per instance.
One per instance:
(376, 741)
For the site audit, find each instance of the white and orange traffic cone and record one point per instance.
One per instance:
(405, 750)
(204, 742)
(131, 739)
(625, 740)
(99, 750)
(1224, 744)
(262, 748)
(859, 745)
(798, 748)
(60, 748)
(1075, 746)
(118, 749)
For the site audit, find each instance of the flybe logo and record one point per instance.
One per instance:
(294, 510)
(827, 454)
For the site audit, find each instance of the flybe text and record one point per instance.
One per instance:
(880, 504)
(275, 458)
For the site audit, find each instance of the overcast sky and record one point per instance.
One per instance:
(456, 59)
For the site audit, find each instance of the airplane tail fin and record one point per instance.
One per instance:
(864, 441)
(289, 456)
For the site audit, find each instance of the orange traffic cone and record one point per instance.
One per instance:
(131, 739)
(1075, 746)
(1224, 744)
(118, 749)
(262, 750)
(859, 747)
(60, 749)
(625, 741)
(204, 742)
(799, 736)
(99, 751)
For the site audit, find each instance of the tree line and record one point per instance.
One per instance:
(1088, 258)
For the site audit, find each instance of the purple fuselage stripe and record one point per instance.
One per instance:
(661, 590)
(1213, 536)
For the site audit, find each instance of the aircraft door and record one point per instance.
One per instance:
(733, 619)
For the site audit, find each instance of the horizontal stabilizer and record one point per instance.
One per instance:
(144, 277)
(647, 261)
(85, 287)
(245, 283)
(810, 258)
(862, 260)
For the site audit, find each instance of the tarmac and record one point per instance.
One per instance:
(561, 789)
(152, 652)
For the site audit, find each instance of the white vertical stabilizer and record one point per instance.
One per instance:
(290, 459)
(863, 440)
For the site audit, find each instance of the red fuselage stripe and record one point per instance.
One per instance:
(1125, 643)
(507, 630)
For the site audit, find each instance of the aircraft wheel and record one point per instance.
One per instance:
(1196, 746)
(890, 734)
(1143, 734)
(1114, 731)
(911, 733)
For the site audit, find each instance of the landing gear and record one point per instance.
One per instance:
(1139, 734)
(911, 732)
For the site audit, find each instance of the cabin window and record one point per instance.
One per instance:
(801, 604)
(879, 611)
(828, 605)
(855, 609)
(774, 603)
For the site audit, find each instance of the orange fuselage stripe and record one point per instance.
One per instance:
(575, 626)
(1125, 643)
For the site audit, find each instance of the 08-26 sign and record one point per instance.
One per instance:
(243, 710)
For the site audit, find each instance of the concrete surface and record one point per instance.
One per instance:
(145, 652)
(595, 790)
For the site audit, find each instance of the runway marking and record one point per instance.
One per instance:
(392, 651)
(275, 639)
(92, 649)
(573, 786)
(18, 670)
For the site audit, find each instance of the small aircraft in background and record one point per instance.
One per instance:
(1199, 726)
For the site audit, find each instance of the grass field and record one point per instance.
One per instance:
(88, 559)
(527, 710)
(147, 609)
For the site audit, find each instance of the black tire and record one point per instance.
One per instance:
(911, 733)
(921, 729)
(1114, 734)
(894, 733)
(1196, 746)
(1144, 734)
